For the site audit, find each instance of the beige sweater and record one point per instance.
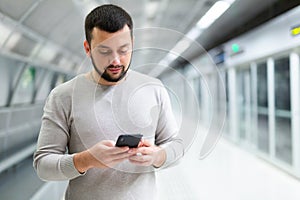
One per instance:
(80, 113)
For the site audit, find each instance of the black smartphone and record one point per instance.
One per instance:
(132, 141)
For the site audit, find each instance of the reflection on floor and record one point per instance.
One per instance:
(19, 182)
(227, 173)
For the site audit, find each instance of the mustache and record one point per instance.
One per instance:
(114, 66)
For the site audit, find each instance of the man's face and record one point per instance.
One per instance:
(111, 52)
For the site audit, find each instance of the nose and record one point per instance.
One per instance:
(115, 60)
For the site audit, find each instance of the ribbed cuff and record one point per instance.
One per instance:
(174, 152)
(170, 156)
(68, 168)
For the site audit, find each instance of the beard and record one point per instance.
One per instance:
(106, 76)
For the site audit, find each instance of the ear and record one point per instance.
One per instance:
(87, 48)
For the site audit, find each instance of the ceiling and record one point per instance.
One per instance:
(51, 31)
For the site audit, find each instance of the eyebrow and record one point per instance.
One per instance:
(106, 47)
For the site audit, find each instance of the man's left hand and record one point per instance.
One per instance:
(148, 154)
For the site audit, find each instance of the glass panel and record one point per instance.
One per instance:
(25, 89)
(263, 132)
(283, 139)
(262, 85)
(222, 104)
(227, 126)
(282, 84)
(9, 70)
(262, 103)
(241, 101)
(44, 86)
(5, 80)
(60, 78)
(283, 111)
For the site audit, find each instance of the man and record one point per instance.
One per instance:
(84, 116)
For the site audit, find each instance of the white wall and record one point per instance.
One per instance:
(268, 39)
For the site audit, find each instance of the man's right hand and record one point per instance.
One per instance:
(102, 155)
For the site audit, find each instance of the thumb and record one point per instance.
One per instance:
(146, 143)
(108, 143)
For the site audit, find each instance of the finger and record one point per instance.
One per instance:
(114, 158)
(118, 150)
(140, 143)
(115, 162)
(133, 151)
(146, 143)
(144, 150)
(139, 163)
(108, 143)
(120, 156)
(141, 159)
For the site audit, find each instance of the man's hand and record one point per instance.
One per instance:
(148, 154)
(102, 155)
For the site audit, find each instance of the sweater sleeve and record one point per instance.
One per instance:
(167, 131)
(50, 159)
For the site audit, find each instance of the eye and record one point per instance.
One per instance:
(123, 51)
(104, 52)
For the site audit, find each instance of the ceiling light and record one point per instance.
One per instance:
(4, 33)
(47, 53)
(209, 18)
(151, 9)
(212, 14)
(194, 33)
(181, 46)
(13, 40)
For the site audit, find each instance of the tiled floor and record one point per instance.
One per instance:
(227, 173)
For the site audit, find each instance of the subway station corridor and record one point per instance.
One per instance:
(223, 75)
(228, 172)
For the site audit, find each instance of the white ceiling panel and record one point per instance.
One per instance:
(136, 8)
(159, 24)
(69, 32)
(15, 8)
(23, 45)
(48, 15)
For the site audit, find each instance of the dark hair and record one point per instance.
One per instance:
(109, 18)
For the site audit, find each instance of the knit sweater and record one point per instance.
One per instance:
(80, 113)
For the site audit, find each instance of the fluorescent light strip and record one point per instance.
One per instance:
(209, 18)
(212, 14)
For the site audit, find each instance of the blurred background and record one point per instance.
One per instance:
(232, 70)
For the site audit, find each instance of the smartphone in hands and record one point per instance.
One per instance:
(132, 141)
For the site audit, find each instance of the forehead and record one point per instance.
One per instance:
(112, 40)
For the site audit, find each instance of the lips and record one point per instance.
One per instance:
(115, 69)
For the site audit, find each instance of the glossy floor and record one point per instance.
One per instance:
(227, 173)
